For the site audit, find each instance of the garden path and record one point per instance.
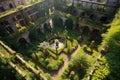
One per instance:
(56, 74)
(64, 66)
(67, 61)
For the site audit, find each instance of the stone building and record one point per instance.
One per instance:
(109, 5)
(19, 16)
(10, 4)
(12, 13)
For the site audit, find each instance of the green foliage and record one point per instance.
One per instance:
(41, 20)
(79, 64)
(71, 45)
(93, 23)
(102, 70)
(69, 23)
(50, 62)
(3, 31)
(70, 8)
(48, 76)
(79, 38)
(57, 21)
(116, 21)
(6, 71)
(55, 64)
(88, 10)
(108, 68)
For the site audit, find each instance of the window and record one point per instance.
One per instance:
(10, 29)
(18, 16)
(6, 22)
(2, 9)
(22, 23)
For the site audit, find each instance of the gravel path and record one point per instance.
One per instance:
(66, 61)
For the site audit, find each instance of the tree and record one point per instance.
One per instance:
(109, 66)
(80, 64)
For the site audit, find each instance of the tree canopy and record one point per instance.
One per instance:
(109, 66)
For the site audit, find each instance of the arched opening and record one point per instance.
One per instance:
(22, 41)
(33, 18)
(10, 29)
(65, 22)
(39, 31)
(32, 37)
(61, 20)
(92, 16)
(10, 5)
(103, 19)
(22, 23)
(46, 26)
(77, 26)
(82, 14)
(74, 12)
(96, 33)
(85, 30)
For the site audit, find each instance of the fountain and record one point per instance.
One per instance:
(57, 44)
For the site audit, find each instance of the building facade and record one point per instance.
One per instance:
(22, 16)
(19, 15)
(109, 5)
(10, 4)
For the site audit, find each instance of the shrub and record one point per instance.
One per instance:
(75, 43)
(46, 61)
(69, 23)
(79, 38)
(52, 67)
(52, 54)
(108, 67)
(79, 64)
(48, 76)
(65, 73)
